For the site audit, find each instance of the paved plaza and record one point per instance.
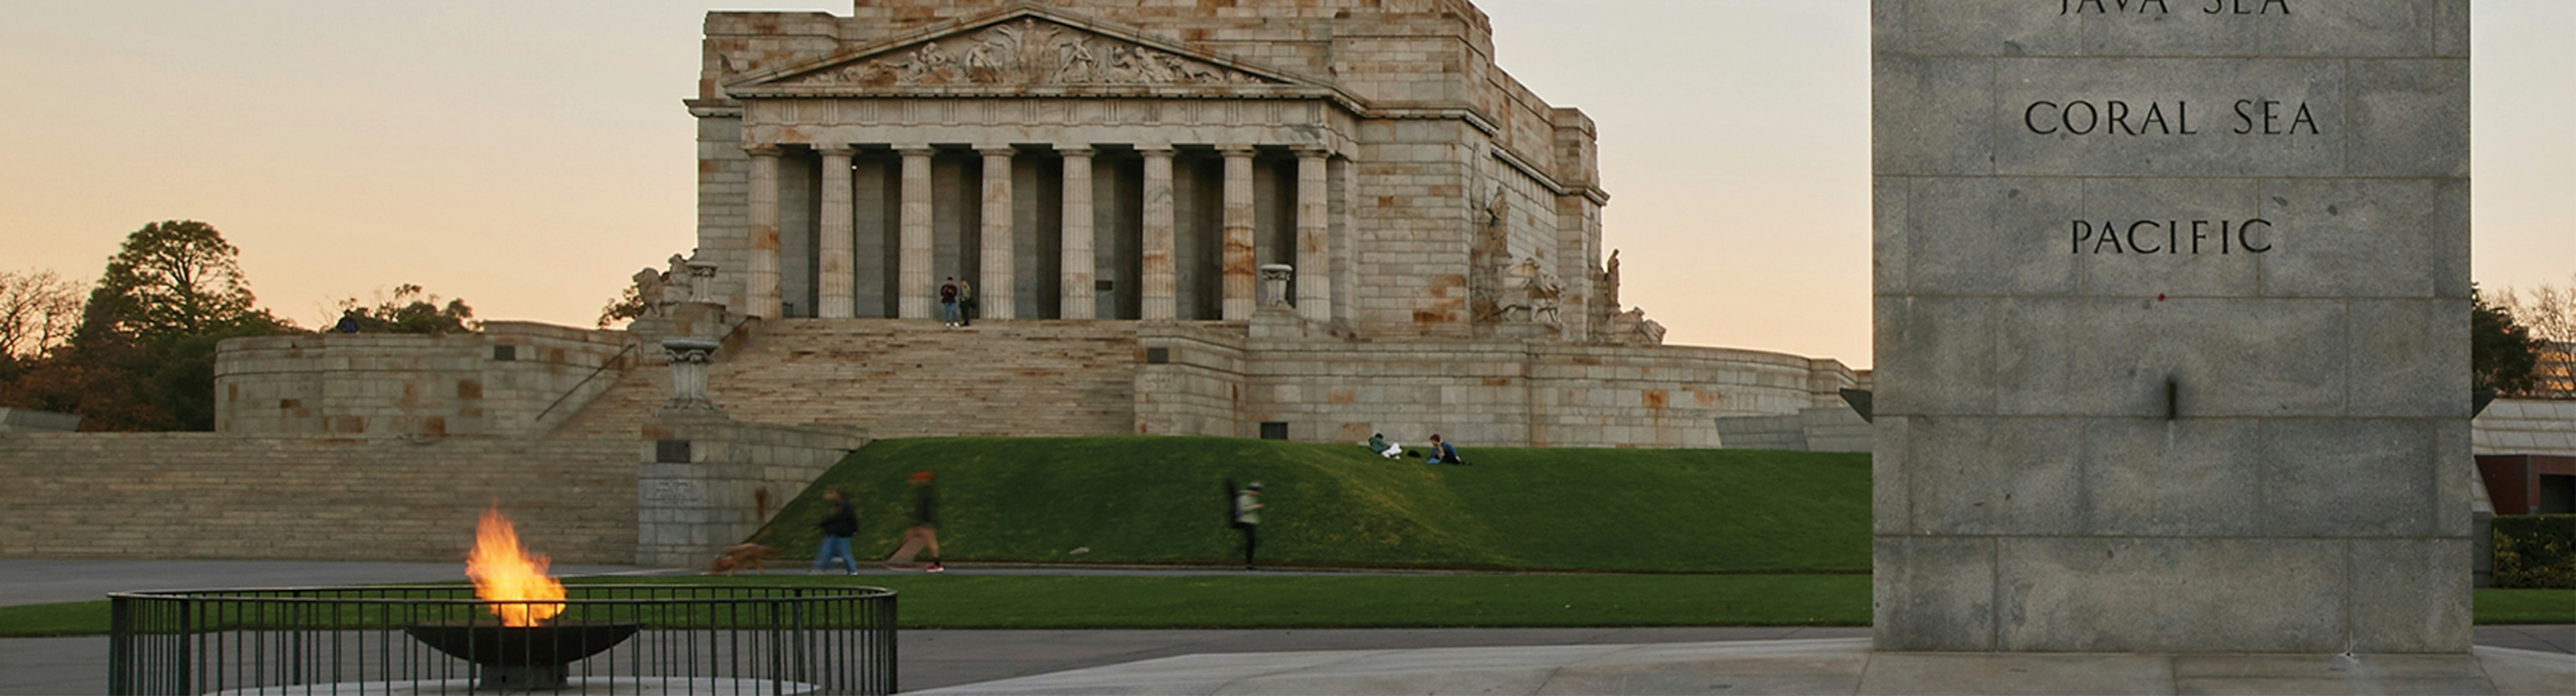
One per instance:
(1643, 660)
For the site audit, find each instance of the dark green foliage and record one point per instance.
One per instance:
(411, 310)
(2502, 353)
(143, 355)
(2535, 551)
(175, 278)
(1157, 500)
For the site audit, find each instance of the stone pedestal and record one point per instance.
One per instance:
(688, 358)
(2172, 314)
(707, 482)
(1274, 284)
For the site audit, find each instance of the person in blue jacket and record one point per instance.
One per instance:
(1444, 453)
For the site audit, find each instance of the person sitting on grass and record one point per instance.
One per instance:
(1377, 443)
(1444, 453)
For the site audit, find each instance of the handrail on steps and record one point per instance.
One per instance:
(594, 373)
(729, 335)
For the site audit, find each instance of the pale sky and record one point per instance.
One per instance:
(529, 155)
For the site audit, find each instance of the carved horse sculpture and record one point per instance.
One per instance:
(1540, 292)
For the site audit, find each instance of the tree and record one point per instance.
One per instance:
(38, 311)
(2502, 354)
(627, 306)
(410, 310)
(2550, 313)
(171, 279)
(142, 357)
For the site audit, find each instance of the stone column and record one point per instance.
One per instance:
(834, 298)
(688, 358)
(1079, 300)
(1239, 257)
(1314, 237)
(1345, 238)
(760, 273)
(1161, 292)
(913, 289)
(995, 294)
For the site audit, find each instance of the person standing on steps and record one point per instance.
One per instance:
(839, 524)
(948, 300)
(924, 531)
(966, 303)
(1247, 517)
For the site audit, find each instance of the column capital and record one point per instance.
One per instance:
(1164, 151)
(1312, 151)
(1236, 150)
(1076, 151)
(915, 150)
(996, 150)
(841, 149)
(763, 149)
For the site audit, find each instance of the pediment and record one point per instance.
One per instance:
(1016, 50)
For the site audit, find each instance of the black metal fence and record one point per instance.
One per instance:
(624, 639)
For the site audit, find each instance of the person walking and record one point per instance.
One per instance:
(1247, 517)
(948, 300)
(925, 528)
(839, 524)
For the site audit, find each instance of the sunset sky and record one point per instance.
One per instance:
(529, 155)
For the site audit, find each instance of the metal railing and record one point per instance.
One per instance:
(585, 380)
(641, 638)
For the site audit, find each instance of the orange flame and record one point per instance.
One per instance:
(504, 572)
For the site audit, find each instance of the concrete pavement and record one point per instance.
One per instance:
(1828, 666)
(935, 659)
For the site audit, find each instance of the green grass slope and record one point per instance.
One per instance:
(1162, 500)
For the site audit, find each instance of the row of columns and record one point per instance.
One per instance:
(1159, 293)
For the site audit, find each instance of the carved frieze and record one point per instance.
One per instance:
(1028, 52)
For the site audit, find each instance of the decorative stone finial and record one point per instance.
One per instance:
(702, 280)
(1274, 284)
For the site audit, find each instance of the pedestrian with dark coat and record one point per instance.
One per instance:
(925, 528)
(838, 525)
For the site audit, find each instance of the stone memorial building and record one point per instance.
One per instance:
(1301, 219)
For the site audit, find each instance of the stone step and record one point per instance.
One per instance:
(910, 378)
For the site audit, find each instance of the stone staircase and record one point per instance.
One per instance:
(905, 379)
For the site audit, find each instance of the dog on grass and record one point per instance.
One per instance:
(741, 556)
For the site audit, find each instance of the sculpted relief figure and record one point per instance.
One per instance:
(1075, 63)
(674, 283)
(1034, 53)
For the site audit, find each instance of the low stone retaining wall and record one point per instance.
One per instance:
(210, 495)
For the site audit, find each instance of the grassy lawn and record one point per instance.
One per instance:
(1067, 602)
(1163, 500)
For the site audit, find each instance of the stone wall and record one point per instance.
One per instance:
(2525, 426)
(211, 495)
(2155, 379)
(378, 386)
(1492, 393)
(709, 482)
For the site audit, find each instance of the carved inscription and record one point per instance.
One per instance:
(1029, 52)
(2121, 117)
(2215, 7)
(2174, 237)
(2086, 117)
